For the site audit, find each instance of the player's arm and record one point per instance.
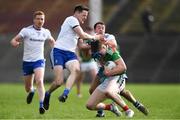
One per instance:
(84, 35)
(119, 69)
(16, 41)
(111, 43)
(51, 42)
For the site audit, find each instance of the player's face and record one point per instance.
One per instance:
(82, 16)
(100, 29)
(39, 21)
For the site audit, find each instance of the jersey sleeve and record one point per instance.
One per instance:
(116, 56)
(49, 36)
(109, 37)
(23, 33)
(73, 22)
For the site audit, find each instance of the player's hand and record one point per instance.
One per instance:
(15, 43)
(107, 72)
(99, 37)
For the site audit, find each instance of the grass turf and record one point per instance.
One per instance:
(161, 100)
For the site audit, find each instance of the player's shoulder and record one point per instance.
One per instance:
(107, 35)
(28, 27)
(45, 29)
(71, 18)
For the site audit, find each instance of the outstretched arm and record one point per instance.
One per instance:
(84, 35)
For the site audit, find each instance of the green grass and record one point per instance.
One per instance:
(163, 102)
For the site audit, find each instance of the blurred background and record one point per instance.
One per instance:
(147, 32)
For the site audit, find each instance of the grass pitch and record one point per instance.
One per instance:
(163, 102)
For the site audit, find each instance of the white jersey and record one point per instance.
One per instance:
(109, 36)
(34, 43)
(67, 38)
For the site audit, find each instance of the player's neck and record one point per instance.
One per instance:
(36, 28)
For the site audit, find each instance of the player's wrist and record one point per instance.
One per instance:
(94, 37)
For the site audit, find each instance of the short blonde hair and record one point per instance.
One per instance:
(38, 13)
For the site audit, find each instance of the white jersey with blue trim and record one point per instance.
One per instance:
(68, 38)
(34, 42)
(109, 36)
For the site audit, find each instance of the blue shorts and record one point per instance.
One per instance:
(60, 57)
(28, 67)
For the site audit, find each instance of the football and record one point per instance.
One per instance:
(110, 65)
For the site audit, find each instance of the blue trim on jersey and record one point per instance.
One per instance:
(28, 67)
(60, 57)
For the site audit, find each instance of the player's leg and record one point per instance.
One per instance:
(129, 96)
(94, 83)
(93, 72)
(103, 87)
(112, 90)
(74, 67)
(57, 62)
(39, 77)
(58, 81)
(29, 79)
(93, 86)
(79, 80)
(94, 100)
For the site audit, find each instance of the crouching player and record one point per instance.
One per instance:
(112, 82)
(99, 28)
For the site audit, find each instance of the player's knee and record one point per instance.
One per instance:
(77, 71)
(89, 106)
(108, 94)
(39, 82)
(58, 82)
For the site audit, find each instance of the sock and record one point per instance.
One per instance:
(66, 91)
(107, 107)
(100, 111)
(40, 104)
(32, 90)
(47, 93)
(125, 108)
(136, 104)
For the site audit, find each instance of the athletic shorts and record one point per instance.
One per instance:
(87, 66)
(28, 67)
(60, 57)
(115, 83)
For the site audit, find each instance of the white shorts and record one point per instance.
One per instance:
(115, 84)
(87, 66)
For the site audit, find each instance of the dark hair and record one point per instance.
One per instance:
(80, 8)
(100, 22)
